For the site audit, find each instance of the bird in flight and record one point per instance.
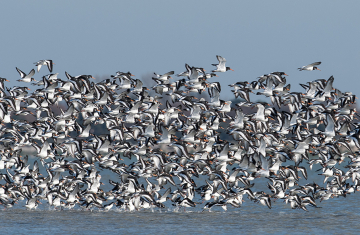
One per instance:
(310, 67)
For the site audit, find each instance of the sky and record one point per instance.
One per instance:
(256, 37)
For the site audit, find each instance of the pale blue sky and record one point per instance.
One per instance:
(256, 38)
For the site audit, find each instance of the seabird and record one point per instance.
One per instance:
(221, 66)
(48, 63)
(310, 67)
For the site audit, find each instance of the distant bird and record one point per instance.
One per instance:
(221, 66)
(26, 77)
(40, 63)
(310, 67)
(163, 79)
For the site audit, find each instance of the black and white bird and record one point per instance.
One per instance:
(310, 67)
(26, 77)
(48, 63)
(221, 66)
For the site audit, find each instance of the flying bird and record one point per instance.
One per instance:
(221, 66)
(40, 63)
(310, 67)
(26, 77)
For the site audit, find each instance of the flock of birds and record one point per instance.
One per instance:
(192, 149)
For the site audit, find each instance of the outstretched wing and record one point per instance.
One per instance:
(314, 64)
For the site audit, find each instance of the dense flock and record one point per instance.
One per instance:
(177, 143)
